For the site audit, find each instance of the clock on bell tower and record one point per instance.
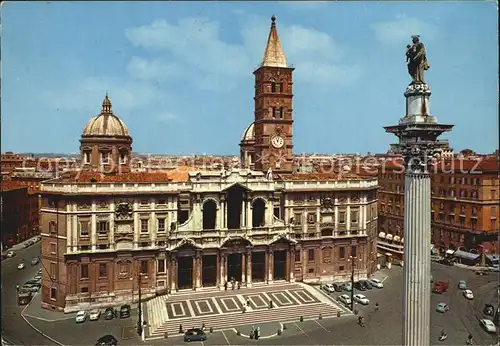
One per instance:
(273, 108)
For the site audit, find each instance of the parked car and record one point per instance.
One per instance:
(361, 299)
(37, 278)
(488, 325)
(359, 286)
(337, 287)
(21, 266)
(107, 340)
(81, 316)
(125, 311)
(26, 245)
(195, 334)
(346, 286)
(31, 242)
(489, 310)
(366, 284)
(481, 272)
(94, 314)
(442, 308)
(35, 261)
(31, 288)
(328, 288)
(11, 254)
(440, 287)
(33, 282)
(468, 294)
(344, 298)
(109, 313)
(377, 283)
(462, 285)
(40, 271)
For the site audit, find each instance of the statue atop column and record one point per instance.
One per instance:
(416, 59)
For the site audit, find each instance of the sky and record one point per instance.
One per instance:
(179, 74)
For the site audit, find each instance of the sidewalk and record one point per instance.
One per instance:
(35, 310)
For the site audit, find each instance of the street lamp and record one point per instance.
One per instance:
(139, 322)
(352, 260)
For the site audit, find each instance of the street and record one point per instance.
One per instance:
(383, 327)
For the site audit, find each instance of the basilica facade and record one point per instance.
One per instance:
(109, 232)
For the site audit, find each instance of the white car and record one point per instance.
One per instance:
(94, 315)
(329, 288)
(468, 294)
(11, 254)
(361, 299)
(81, 316)
(20, 266)
(344, 298)
(488, 325)
(377, 283)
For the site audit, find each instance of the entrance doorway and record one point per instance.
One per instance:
(209, 270)
(234, 267)
(185, 272)
(234, 203)
(279, 272)
(258, 266)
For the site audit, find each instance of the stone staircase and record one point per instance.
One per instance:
(159, 322)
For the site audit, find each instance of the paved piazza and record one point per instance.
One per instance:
(224, 309)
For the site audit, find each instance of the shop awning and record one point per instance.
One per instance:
(397, 238)
(466, 255)
(450, 252)
(381, 235)
(388, 236)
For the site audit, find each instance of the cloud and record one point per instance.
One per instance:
(166, 117)
(146, 69)
(402, 28)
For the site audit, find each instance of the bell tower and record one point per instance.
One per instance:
(273, 108)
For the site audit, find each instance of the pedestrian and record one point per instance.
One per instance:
(252, 332)
(225, 286)
(238, 284)
(232, 285)
(17, 288)
(270, 304)
(258, 332)
(248, 302)
(376, 306)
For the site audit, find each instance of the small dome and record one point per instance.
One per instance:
(106, 124)
(249, 134)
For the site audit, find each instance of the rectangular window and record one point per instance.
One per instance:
(354, 216)
(341, 268)
(311, 218)
(144, 267)
(84, 271)
(105, 157)
(493, 212)
(354, 250)
(52, 248)
(311, 271)
(52, 227)
(84, 290)
(144, 202)
(310, 255)
(123, 158)
(103, 227)
(144, 226)
(84, 228)
(493, 194)
(342, 253)
(473, 224)
(161, 225)
(297, 219)
(53, 270)
(161, 266)
(87, 156)
(53, 293)
(493, 224)
(162, 201)
(342, 217)
(297, 256)
(102, 270)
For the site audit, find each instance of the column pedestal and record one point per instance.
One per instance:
(417, 249)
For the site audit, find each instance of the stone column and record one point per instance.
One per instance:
(198, 271)
(271, 265)
(218, 272)
(417, 269)
(287, 266)
(417, 134)
(112, 225)
(243, 268)
(266, 266)
(243, 213)
(173, 274)
(292, 263)
(249, 213)
(222, 270)
(137, 225)
(249, 267)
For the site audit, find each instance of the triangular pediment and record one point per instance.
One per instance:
(237, 186)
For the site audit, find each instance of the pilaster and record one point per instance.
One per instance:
(292, 264)
(137, 225)
(270, 278)
(249, 266)
(249, 214)
(112, 225)
(93, 223)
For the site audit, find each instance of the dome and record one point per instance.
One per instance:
(249, 134)
(106, 124)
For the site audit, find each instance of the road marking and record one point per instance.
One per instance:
(302, 330)
(383, 280)
(225, 337)
(319, 324)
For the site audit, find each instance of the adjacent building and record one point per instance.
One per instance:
(465, 203)
(108, 230)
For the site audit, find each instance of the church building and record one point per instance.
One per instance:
(108, 230)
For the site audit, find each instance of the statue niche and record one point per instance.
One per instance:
(124, 231)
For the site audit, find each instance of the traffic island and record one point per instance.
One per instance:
(267, 330)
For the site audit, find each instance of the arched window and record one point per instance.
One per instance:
(209, 214)
(273, 86)
(258, 212)
(274, 112)
(282, 112)
(282, 86)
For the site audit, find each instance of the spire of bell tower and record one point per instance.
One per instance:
(274, 55)
(106, 105)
